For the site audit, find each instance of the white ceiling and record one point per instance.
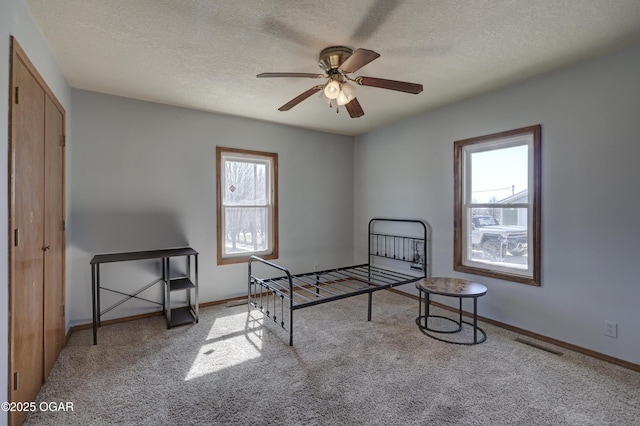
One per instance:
(205, 54)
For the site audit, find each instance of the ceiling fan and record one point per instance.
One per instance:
(338, 62)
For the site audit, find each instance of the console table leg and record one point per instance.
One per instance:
(164, 288)
(167, 285)
(197, 303)
(94, 284)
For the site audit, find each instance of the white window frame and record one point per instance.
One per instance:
(270, 160)
(463, 205)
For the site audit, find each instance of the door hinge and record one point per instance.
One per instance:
(17, 95)
(63, 140)
(64, 226)
(16, 382)
(62, 311)
(16, 237)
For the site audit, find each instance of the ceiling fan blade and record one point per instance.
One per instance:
(354, 108)
(358, 59)
(289, 74)
(400, 86)
(295, 101)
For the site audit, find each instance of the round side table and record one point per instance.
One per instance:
(452, 287)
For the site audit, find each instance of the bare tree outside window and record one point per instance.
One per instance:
(247, 213)
(245, 185)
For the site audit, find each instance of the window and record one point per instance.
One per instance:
(497, 205)
(247, 200)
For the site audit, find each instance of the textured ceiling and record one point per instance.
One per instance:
(205, 54)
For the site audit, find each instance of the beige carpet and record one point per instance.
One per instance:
(233, 369)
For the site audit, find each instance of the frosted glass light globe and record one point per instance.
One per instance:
(349, 91)
(324, 98)
(342, 98)
(332, 89)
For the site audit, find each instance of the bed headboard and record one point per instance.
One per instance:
(400, 243)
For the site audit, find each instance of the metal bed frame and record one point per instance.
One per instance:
(400, 259)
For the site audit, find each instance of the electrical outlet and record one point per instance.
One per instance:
(611, 329)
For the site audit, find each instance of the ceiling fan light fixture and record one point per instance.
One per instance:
(342, 98)
(338, 62)
(349, 91)
(324, 98)
(332, 89)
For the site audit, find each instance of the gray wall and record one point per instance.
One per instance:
(590, 176)
(142, 176)
(16, 20)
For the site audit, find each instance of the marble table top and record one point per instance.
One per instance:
(456, 287)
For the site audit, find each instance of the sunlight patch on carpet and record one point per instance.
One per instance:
(232, 340)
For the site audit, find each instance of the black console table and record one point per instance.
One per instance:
(176, 316)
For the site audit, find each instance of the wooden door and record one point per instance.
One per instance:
(37, 241)
(54, 241)
(27, 261)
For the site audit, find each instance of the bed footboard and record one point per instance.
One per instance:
(270, 297)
